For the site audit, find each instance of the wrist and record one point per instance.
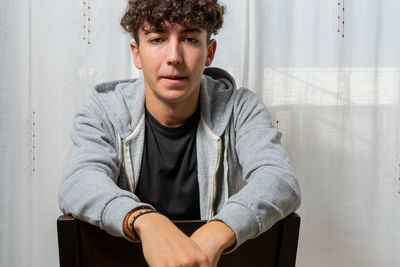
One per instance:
(128, 220)
(224, 237)
(148, 223)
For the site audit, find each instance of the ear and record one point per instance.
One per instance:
(212, 46)
(136, 56)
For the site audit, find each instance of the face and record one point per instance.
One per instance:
(172, 59)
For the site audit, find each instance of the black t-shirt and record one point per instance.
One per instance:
(168, 176)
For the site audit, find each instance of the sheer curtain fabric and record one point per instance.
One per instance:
(328, 71)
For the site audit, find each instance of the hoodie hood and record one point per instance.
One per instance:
(216, 101)
(123, 101)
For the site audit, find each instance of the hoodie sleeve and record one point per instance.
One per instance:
(88, 189)
(271, 191)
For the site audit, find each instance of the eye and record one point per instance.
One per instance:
(156, 40)
(190, 40)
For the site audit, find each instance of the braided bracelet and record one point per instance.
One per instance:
(127, 231)
(135, 218)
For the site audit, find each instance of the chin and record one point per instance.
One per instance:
(174, 100)
(175, 97)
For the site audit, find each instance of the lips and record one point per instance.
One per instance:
(174, 80)
(180, 77)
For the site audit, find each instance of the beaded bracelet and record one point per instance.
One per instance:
(135, 218)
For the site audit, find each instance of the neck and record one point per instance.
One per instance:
(171, 114)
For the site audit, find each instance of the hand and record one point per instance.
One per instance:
(165, 245)
(213, 238)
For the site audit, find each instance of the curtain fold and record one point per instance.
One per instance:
(328, 71)
(16, 135)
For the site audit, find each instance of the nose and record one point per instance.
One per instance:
(175, 55)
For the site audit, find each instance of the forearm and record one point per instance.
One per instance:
(253, 210)
(219, 235)
(216, 235)
(92, 196)
(214, 238)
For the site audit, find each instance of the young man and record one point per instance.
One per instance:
(179, 143)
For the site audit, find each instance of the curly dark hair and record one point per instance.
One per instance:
(207, 14)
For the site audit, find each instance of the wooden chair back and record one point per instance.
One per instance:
(83, 245)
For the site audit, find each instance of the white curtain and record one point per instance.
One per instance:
(329, 72)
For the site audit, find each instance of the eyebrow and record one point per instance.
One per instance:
(189, 30)
(154, 30)
(161, 30)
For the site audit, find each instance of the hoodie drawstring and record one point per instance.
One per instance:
(226, 143)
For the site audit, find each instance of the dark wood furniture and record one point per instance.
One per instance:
(83, 245)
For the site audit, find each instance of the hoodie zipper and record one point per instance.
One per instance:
(212, 189)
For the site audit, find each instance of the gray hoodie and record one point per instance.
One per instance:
(245, 179)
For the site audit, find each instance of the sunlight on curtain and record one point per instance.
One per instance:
(331, 81)
(328, 71)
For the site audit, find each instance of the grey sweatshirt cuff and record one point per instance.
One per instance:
(245, 226)
(114, 214)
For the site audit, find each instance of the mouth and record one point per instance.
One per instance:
(175, 77)
(174, 80)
